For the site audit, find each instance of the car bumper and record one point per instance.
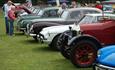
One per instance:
(45, 40)
(102, 67)
(20, 29)
(32, 35)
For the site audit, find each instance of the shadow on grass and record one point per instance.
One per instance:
(30, 41)
(45, 49)
(19, 34)
(64, 61)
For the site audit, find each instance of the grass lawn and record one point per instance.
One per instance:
(21, 53)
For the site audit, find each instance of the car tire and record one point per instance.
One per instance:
(62, 43)
(84, 53)
(35, 38)
(53, 45)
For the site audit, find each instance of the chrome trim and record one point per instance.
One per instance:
(103, 67)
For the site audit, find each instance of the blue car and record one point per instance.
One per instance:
(106, 58)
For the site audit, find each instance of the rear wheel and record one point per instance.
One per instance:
(84, 53)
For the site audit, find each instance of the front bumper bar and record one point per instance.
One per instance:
(102, 67)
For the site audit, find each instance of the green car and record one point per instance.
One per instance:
(26, 19)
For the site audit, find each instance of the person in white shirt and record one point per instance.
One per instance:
(6, 7)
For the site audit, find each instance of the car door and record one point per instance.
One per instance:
(103, 31)
(109, 32)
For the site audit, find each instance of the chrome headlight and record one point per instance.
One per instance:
(46, 34)
(22, 22)
(31, 28)
(99, 53)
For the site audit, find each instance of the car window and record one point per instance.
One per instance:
(86, 20)
(89, 11)
(75, 15)
(50, 13)
(99, 18)
(40, 12)
(35, 11)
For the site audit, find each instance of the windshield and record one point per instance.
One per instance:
(40, 12)
(86, 20)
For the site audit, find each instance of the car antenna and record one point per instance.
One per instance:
(102, 9)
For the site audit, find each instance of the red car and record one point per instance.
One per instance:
(82, 48)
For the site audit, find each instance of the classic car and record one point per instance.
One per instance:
(42, 13)
(105, 58)
(51, 34)
(108, 9)
(68, 16)
(81, 46)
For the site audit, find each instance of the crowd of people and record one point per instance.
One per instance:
(9, 13)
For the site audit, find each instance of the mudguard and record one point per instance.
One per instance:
(84, 36)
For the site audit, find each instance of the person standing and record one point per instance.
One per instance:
(62, 8)
(73, 4)
(99, 5)
(6, 7)
(12, 17)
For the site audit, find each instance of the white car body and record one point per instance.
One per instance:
(50, 33)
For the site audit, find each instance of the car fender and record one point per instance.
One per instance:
(56, 36)
(84, 36)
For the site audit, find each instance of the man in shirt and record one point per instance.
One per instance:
(6, 8)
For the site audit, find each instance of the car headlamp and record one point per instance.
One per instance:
(99, 53)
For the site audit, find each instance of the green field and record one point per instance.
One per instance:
(21, 53)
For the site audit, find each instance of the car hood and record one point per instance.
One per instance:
(30, 16)
(60, 29)
(107, 56)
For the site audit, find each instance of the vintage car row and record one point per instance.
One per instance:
(81, 49)
(51, 34)
(105, 58)
(68, 16)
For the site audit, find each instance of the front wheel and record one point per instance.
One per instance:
(35, 38)
(53, 45)
(62, 42)
(84, 53)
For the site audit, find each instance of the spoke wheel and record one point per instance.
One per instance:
(84, 53)
(62, 43)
